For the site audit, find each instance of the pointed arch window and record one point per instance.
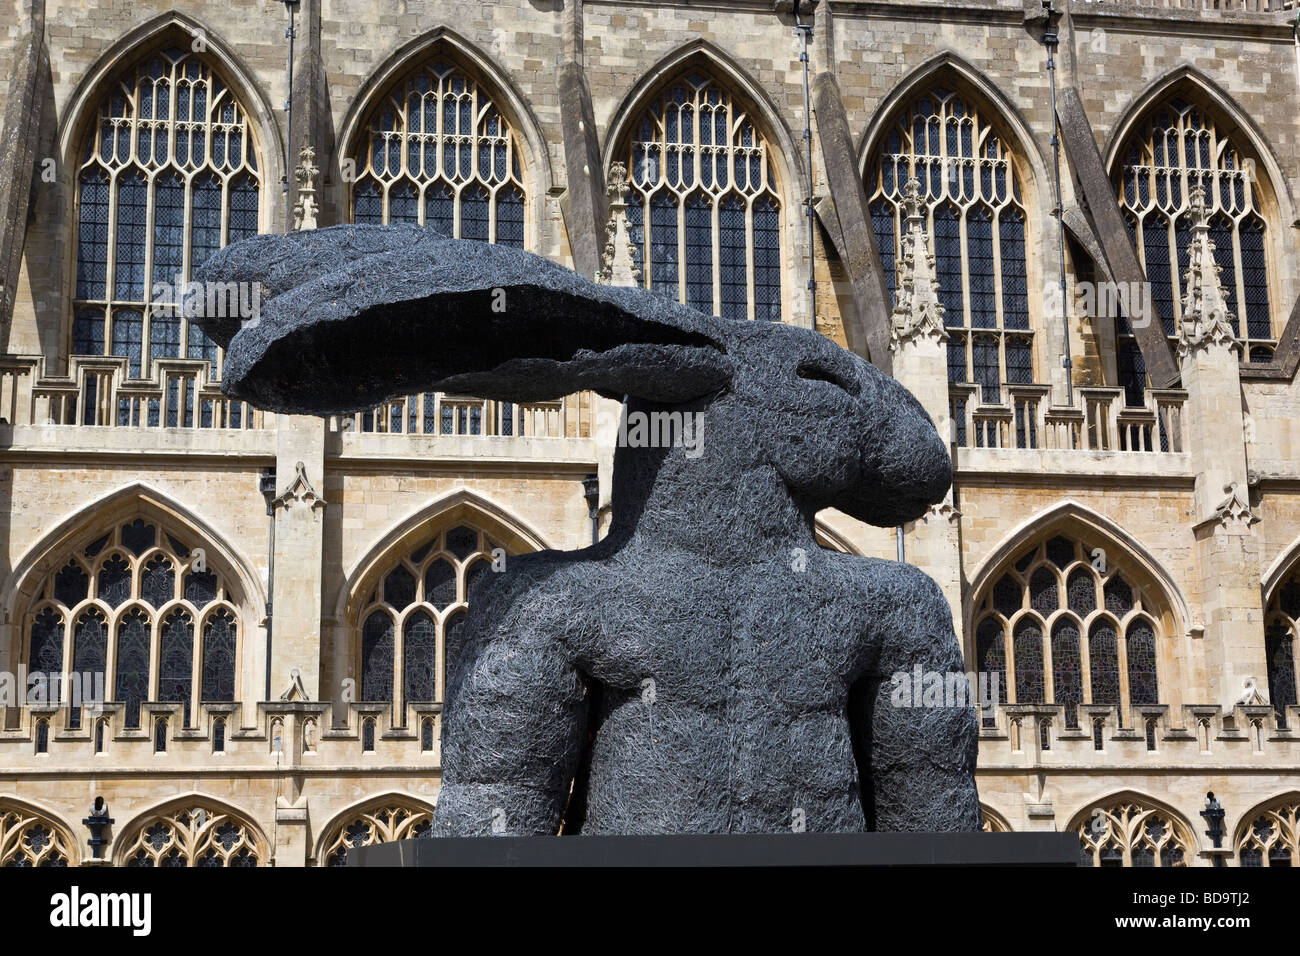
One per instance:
(193, 835)
(125, 610)
(1132, 833)
(437, 152)
(29, 839)
(1180, 145)
(1054, 588)
(382, 823)
(1280, 632)
(972, 190)
(168, 174)
(408, 624)
(712, 238)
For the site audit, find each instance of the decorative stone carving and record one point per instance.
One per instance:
(618, 263)
(304, 210)
(1234, 510)
(917, 313)
(300, 491)
(1205, 307)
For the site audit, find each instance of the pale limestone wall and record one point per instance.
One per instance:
(373, 484)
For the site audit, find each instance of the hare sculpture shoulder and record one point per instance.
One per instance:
(707, 667)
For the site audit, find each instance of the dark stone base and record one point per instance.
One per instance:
(778, 849)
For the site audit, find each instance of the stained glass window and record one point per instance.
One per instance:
(1140, 643)
(991, 653)
(1067, 668)
(1032, 581)
(437, 152)
(425, 592)
(704, 171)
(1283, 619)
(176, 659)
(1132, 834)
(133, 646)
(972, 193)
(1027, 649)
(1178, 146)
(139, 558)
(193, 835)
(1103, 662)
(171, 140)
(377, 658)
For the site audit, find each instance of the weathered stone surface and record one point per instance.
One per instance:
(707, 667)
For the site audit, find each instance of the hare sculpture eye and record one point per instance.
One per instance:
(818, 373)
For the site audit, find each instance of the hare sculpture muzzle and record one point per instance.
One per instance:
(707, 667)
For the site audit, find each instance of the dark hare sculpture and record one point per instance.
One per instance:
(707, 667)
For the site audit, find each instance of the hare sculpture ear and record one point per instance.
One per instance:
(355, 315)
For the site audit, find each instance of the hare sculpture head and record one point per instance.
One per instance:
(706, 667)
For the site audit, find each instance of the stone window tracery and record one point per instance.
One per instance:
(411, 618)
(972, 193)
(381, 824)
(116, 599)
(1130, 833)
(1103, 645)
(168, 175)
(704, 207)
(28, 839)
(437, 152)
(196, 835)
(1272, 837)
(1180, 145)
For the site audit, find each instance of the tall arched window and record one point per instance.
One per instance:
(1178, 146)
(436, 151)
(705, 214)
(971, 187)
(1132, 833)
(1103, 631)
(168, 175)
(408, 624)
(117, 598)
(1280, 629)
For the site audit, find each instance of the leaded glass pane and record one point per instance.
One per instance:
(420, 660)
(1119, 596)
(1043, 593)
(1280, 653)
(1067, 668)
(1103, 662)
(1027, 651)
(1081, 592)
(731, 258)
(377, 658)
(1140, 644)
(114, 586)
(158, 581)
(131, 686)
(176, 660)
(45, 653)
(219, 636)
